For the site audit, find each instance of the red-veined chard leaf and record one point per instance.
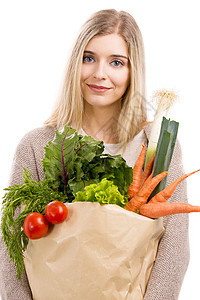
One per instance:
(59, 156)
(73, 161)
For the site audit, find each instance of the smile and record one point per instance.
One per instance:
(98, 88)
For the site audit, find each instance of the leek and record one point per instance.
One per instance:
(164, 99)
(164, 150)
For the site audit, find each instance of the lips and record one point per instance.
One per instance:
(98, 88)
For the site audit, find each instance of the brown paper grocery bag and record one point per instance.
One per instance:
(101, 252)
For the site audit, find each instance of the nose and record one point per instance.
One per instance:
(100, 71)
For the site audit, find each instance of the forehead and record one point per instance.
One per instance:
(110, 44)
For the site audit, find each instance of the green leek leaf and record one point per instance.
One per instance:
(164, 150)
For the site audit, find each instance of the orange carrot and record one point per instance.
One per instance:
(147, 171)
(143, 194)
(165, 194)
(156, 210)
(137, 170)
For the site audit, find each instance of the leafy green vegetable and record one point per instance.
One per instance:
(74, 161)
(105, 192)
(33, 197)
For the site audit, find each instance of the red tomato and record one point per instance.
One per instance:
(35, 226)
(56, 212)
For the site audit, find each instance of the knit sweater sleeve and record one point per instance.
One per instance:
(28, 154)
(173, 253)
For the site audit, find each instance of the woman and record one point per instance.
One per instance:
(103, 96)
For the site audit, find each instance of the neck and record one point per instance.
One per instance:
(101, 122)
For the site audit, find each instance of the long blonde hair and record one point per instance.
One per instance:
(69, 108)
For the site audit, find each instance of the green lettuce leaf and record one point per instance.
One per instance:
(105, 192)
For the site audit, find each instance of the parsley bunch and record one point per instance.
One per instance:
(31, 196)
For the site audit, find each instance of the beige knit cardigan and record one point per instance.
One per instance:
(173, 253)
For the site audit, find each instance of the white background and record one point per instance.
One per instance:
(36, 37)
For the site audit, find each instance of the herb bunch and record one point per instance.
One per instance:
(31, 196)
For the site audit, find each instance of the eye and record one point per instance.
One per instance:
(117, 63)
(88, 59)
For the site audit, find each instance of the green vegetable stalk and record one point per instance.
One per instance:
(165, 100)
(164, 150)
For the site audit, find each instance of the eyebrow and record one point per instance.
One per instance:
(113, 55)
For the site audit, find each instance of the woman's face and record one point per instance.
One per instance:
(105, 70)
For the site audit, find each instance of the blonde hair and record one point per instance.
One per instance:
(69, 108)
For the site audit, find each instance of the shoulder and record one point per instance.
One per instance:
(39, 133)
(29, 154)
(37, 137)
(31, 146)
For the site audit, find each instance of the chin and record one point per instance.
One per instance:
(101, 102)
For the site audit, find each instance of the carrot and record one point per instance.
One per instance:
(147, 171)
(137, 170)
(156, 210)
(165, 194)
(143, 194)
